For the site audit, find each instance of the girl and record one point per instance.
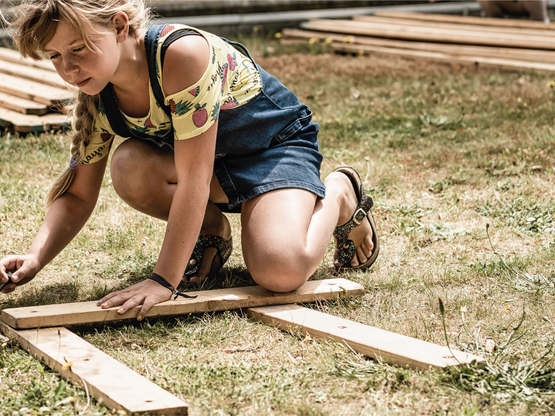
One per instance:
(207, 130)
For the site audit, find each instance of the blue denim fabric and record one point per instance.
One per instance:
(267, 144)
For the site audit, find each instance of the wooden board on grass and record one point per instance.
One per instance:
(518, 54)
(26, 123)
(31, 73)
(103, 377)
(12, 55)
(34, 91)
(372, 342)
(206, 301)
(452, 58)
(430, 34)
(486, 21)
(21, 105)
(456, 26)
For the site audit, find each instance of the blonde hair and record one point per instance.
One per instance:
(34, 25)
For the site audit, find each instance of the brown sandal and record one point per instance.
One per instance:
(346, 248)
(204, 241)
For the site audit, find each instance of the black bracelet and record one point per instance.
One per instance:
(159, 279)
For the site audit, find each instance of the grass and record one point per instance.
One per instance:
(459, 160)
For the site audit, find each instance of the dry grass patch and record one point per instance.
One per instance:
(459, 160)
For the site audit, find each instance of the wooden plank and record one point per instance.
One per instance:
(30, 73)
(21, 105)
(503, 63)
(34, 91)
(455, 26)
(372, 342)
(107, 380)
(25, 123)
(430, 34)
(11, 55)
(485, 21)
(206, 301)
(518, 54)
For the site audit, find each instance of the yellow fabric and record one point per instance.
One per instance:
(230, 80)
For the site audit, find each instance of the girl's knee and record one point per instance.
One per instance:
(279, 275)
(126, 171)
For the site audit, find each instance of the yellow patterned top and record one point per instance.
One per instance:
(230, 80)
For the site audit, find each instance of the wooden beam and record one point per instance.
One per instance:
(11, 55)
(21, 105)
(372, 342)
(430, 34)
(30, 73)
(455, 26)
(105, 378)
(206, 301)
(34, 91)
(518, 54)
(503, 63)
(26, 123)
(485, 21)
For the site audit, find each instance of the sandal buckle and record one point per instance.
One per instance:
(359, 216)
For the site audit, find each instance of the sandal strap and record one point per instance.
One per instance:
(204, 241)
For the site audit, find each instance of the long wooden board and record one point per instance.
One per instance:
(519, 54)
(455, 26)
(206, 301)
(21, 105)
(31, 73)
(107, 380)
(430, 34)
(34, 91)
(504, 63)
(486, 21)
(370, 341)
(25, 123)
(11, 55)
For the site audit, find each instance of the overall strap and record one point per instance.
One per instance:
(108, 96)
(152, 37)
(109, 101)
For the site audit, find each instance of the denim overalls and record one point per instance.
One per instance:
(266, 144)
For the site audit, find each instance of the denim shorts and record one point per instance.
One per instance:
(266, 144)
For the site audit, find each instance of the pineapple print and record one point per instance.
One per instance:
(216, 112)
(180, 108)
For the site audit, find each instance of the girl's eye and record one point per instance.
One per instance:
(80, 48)
(52, 57)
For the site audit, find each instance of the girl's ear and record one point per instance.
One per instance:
(120, 23)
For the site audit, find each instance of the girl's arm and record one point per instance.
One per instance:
(65, 218)
(185, 63)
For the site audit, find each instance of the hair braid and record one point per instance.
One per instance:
(85, 112)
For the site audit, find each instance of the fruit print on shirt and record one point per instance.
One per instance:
(200, 116)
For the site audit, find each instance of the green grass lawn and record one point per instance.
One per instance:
(460, 163)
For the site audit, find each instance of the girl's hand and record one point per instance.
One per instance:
(148, 293)
(23, 269)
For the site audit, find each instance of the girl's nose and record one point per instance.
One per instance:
(70, 67)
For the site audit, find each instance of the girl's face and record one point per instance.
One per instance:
(88, 70)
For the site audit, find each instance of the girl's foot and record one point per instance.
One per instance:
(213, 247)
(357, 245)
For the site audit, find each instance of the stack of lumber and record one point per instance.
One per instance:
(497, 42)
(33, 97)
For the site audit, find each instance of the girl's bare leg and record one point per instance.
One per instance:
(286, 232)
(144, 176)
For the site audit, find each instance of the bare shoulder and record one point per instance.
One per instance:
(185, 63)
